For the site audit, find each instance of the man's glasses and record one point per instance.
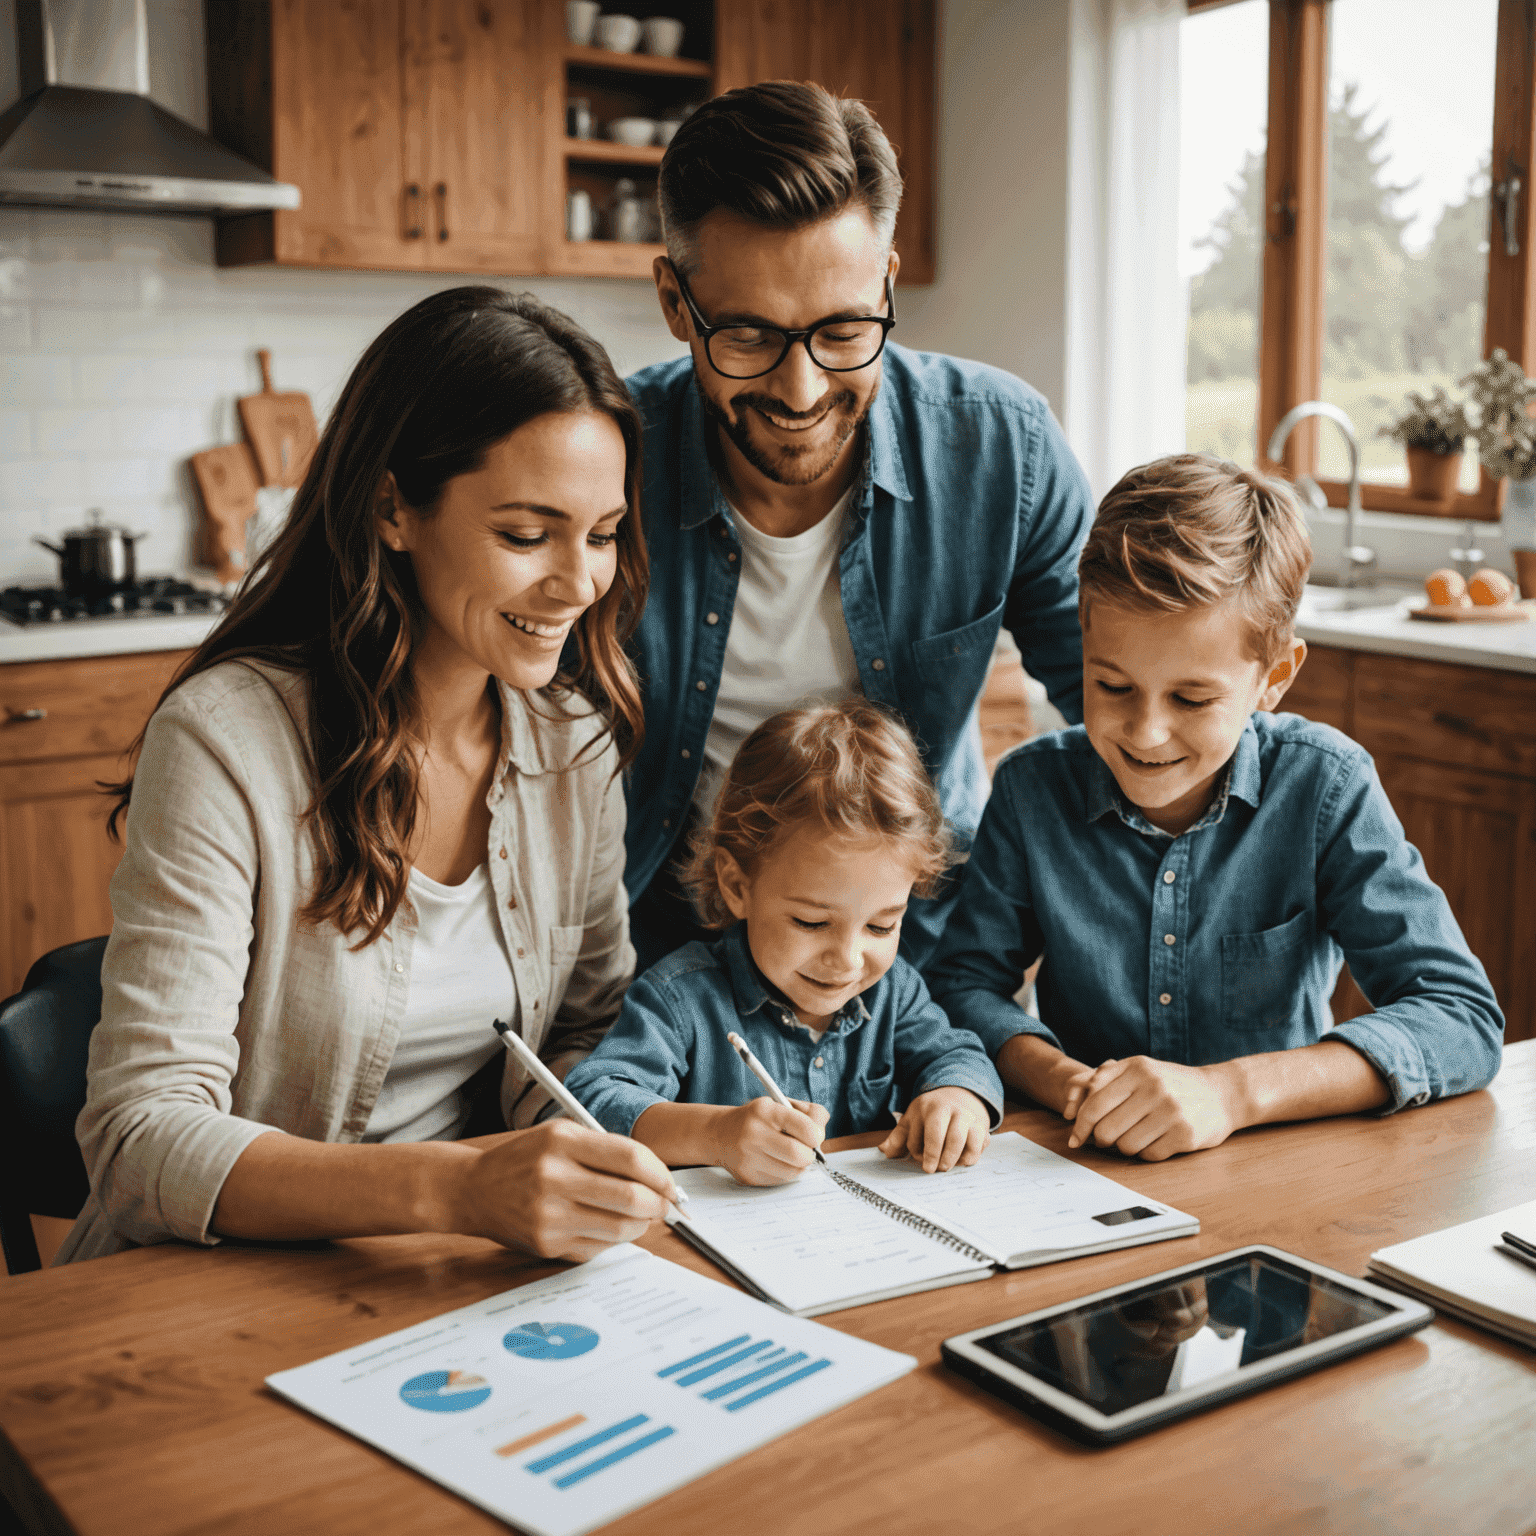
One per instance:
(750, 351)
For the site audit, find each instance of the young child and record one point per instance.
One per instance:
(825, 826)
(1191, 865)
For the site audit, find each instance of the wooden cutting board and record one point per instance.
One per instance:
(281, 428)
(1499, 613)
(227, 478)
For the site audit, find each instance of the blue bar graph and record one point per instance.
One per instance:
(714, 1349)
(774, 1386)
(729, 1387)
(724, 1363)
(544, 1463)
(579, 1473)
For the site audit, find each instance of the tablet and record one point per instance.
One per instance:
(1131, 1358)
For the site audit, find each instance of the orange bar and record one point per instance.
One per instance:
(547, 1433)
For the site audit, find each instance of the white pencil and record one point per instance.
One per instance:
(761, 1073)
(557, 1090)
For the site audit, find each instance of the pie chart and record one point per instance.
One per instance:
(445, 1391)
(550, 1341)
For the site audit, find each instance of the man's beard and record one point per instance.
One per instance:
(788, 465)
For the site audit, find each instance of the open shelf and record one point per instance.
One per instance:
(637, 63)
(606, 152)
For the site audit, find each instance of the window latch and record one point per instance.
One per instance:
(1284, 212)
(1506, 199)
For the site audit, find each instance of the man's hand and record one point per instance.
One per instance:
(1155, 1109)
(1048, 1075)
(941, 1128)
(764, 1143)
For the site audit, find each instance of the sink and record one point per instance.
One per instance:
(1323, 596)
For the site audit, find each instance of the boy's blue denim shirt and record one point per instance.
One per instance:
(1224, 941)
(970, 516)
(668, 1045)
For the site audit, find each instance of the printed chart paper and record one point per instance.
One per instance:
(569, 1402)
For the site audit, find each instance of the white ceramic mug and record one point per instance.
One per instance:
(580, 18)
(662, 35)
(618, 34)
(578, 215)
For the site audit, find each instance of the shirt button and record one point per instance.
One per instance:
(686, 752)
(519, 954)
(398, 966)
(666, 821)
(1166, 998)
(877, 665)
(711, 618)
(535, 1005)
(503, 853)
(512, 902)
(731, 558)
(1169, 877)
(1168, 938)
(702, 686)
(817, 1062)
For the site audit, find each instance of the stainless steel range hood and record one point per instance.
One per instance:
(86, 135)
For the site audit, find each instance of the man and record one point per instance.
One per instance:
(827, 514)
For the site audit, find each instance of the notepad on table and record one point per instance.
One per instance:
(1462, 1270)
(867, 1227)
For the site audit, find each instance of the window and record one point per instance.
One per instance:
(1354, 234)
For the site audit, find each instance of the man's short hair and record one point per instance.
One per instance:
(780, 153)
(1192, 531)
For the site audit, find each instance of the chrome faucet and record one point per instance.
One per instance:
(1358, 558)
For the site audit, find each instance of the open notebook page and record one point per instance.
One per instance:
(811, 1245)
(1021, 1203)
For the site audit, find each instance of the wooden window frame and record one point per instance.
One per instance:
(1295, 250)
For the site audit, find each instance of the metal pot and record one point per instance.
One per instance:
(96, 560)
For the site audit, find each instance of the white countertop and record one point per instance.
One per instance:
(103, 637)
(1389, 631)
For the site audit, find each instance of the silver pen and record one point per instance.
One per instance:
(760, 1072)
(556, 1089)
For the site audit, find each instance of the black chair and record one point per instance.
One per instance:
(45, 1036)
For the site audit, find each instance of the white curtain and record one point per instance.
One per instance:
(1127, 308)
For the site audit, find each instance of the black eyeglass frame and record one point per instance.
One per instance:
(705, 331)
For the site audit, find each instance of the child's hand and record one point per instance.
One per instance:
(764, 1143)
(940, 1128)
(1154, 1109)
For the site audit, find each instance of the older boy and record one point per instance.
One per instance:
(1191, 865)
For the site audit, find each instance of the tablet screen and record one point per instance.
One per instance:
(1119, 1353)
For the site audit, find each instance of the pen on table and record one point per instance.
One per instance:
(760, 1072)
(556, 1089)
(1518, 1248)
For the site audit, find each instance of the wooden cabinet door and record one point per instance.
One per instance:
(1477, 833)
(882, 51)
(474, 91)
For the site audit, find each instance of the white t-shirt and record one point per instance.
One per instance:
(788, 643)
(461, 979)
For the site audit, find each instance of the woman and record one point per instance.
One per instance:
(371, 815)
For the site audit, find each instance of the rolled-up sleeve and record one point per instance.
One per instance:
(643, 1060)
(1437, 1029)
(930, 1053)
(156, 1133)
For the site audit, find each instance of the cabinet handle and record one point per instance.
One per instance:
(413, 229)
(19, 715)
(440, 191)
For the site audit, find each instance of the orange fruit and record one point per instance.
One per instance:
(1446, 589)
(1490, 588)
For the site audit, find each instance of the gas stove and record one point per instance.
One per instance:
(155, 598)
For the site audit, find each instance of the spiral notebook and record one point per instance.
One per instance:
(864, 1227)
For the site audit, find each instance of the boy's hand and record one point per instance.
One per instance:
(764, 1143)
(941, 1128)
(1154, 1109)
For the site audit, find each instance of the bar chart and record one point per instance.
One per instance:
(753, 1368)
(553, 1461)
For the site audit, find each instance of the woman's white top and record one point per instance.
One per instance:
(788, 644)
(461, 979)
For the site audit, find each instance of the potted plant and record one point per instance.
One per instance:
(1433, 430)
(1501, 397)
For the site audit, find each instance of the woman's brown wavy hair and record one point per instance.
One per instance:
(451, 377)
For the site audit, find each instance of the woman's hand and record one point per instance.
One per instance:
(764, 1143)
(560, 1190)
(941, 1128)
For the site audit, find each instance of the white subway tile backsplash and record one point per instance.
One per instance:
(164, 429)
(72, 429)
(118, 481)
(32, 482)
(33, 380)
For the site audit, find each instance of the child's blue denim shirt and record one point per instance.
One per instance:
(885, 1047)
(1226, 940)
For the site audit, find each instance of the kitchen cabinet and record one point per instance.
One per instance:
(1455, 748)
(430, 134)
(64, 726)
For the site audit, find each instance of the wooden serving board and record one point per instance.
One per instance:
(281, 428)
(228, 478)
(1500, 613)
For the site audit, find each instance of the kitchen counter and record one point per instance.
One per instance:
(103, 637)
(1389, 631)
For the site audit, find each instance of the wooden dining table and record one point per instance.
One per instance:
(132, 1400)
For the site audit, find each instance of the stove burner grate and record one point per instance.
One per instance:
(154, 598)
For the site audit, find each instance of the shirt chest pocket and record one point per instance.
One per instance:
(953, 667)
(872, 1097)
(1264, 975)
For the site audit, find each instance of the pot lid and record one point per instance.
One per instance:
(98, 529)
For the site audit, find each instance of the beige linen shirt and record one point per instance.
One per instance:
(224, 1017)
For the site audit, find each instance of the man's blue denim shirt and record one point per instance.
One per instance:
(970, 516)
(1224, 941)
(668, 1045)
